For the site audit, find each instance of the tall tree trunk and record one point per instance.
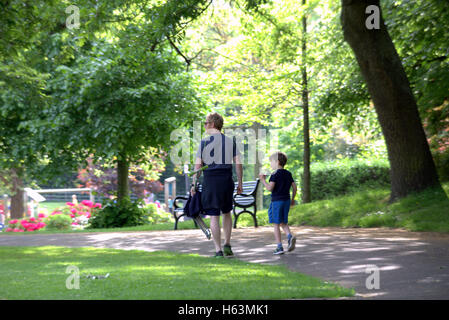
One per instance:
(122, 177)
(411, 163)
(257, 170)
(18, 206)
(305, 183)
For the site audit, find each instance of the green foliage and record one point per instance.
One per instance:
(419, 30)
(39, 126)
(117, 85)
(59, 222)
(436, 124)
(442, 164)
(114, 82)
(331, 179)
(251, 65)
(424, 211)
(119, 213)
(155, 215)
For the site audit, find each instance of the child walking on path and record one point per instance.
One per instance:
(279, 184)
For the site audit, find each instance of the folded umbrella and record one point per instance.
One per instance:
(193, 210)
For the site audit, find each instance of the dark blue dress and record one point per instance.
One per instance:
(217, 151)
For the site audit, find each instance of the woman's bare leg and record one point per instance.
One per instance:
(227, 227)
(216, 232)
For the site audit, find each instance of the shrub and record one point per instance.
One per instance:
(155, 215)
(117, 214)
(331, 179)
(442, 164)
(59, 222)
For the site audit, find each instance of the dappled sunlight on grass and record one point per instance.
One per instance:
(149, 275)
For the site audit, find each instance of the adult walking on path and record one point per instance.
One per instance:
(218, 152)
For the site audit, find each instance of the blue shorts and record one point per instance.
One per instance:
(278, 211)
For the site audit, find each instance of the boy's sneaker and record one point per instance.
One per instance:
(219, 254)
(291, 244)
(279, 250)
(227, 250)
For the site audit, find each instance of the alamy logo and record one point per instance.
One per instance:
(73, 20)
(259, 143)
(373, 21)
(373, 281)
(72, 281)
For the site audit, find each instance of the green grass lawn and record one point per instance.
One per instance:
(51, 206)
(40, 273)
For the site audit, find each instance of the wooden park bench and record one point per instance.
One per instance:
(245, 201)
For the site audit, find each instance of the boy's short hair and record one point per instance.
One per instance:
(216, 119)
(280, 157)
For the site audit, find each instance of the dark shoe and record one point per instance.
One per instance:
(219, 254)
(279, 251)
(227, 250)
(291, 244)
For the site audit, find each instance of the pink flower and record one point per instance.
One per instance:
(88, 215)
(87, 203)
(33, 219)
(15, 230)
(55, 213)
(40, 225)
(74, 224)
(9, 230)
(42, 215)
(20, 230)
(97, 205)
(13, 221)
(72, 215)
(23, 221)
(70, 204)
(73, 210)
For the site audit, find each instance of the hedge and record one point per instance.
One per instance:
(331, 179)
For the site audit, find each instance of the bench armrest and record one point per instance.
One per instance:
(179, 198)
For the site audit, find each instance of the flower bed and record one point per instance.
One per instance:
(79, 213)
(30, 224)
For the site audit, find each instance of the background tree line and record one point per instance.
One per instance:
(135, 70)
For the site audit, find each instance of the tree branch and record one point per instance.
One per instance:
(187, 60)
(420, 62)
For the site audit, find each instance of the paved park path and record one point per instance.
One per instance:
(412, 265)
